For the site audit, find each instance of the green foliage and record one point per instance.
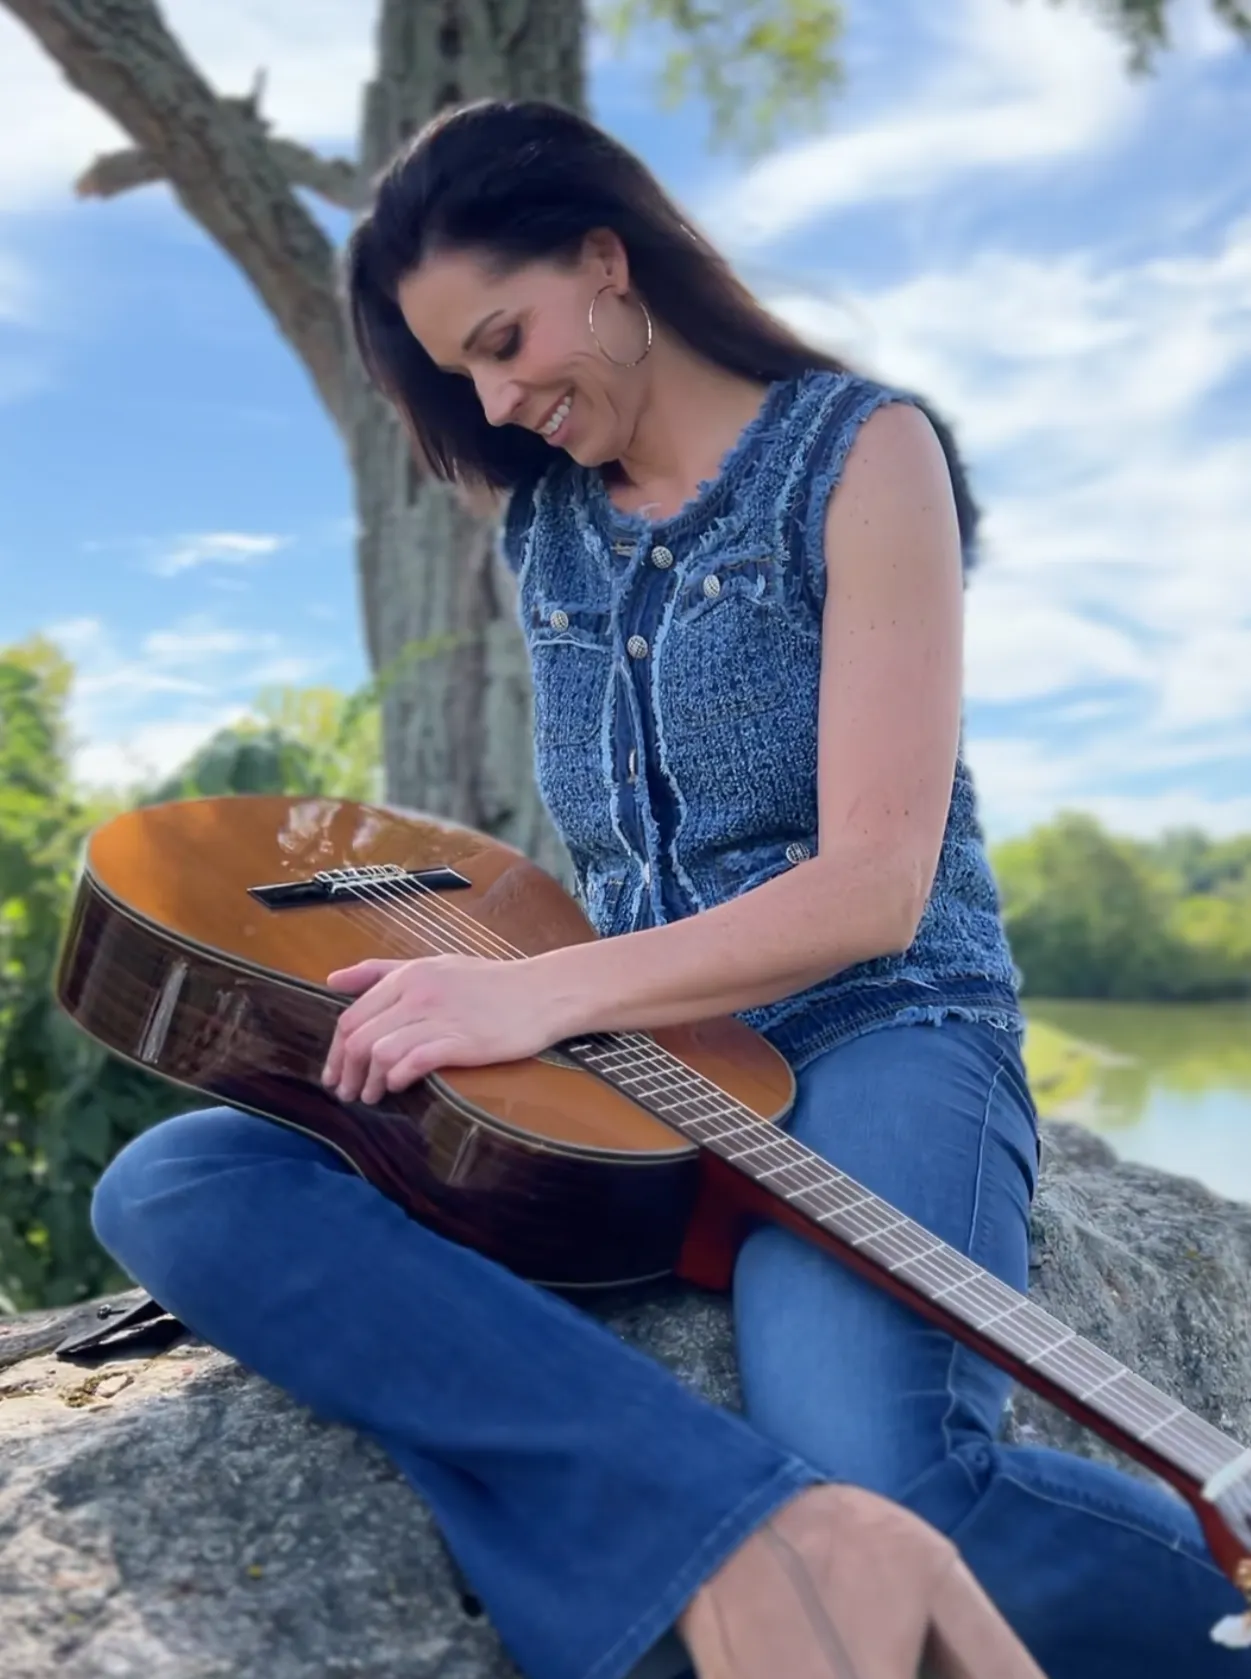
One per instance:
(1143, 25)
(62, 1101)
(1089, 915)
(66, 1105)
(759, 65)
(763, 67)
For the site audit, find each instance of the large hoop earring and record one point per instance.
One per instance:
(647, 319)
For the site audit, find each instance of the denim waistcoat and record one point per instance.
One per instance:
(676, 669)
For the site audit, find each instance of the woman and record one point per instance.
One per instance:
(739, 572)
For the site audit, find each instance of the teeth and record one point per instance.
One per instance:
(552, 426)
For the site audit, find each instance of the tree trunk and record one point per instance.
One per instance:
(436, 601)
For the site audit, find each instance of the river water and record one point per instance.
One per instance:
(1169, 1085)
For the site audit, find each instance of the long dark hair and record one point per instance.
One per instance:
(524, 181)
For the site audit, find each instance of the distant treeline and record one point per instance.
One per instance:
(1088, 916)
(1092, 915)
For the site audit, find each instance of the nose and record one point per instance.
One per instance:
(500, 398)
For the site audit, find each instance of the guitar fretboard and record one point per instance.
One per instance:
(904, 1250)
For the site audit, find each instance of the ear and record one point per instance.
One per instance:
(605, 256)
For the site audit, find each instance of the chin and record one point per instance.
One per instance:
(589, 454)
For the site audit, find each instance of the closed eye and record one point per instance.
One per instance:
(508, 349)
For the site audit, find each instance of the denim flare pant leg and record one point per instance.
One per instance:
(1101, 1575)
(584, 1490)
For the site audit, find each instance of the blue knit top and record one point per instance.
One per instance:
(676, 668)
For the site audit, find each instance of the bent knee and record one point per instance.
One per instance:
(186, 1139)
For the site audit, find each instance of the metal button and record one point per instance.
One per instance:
(647, 874)
(636, 647)
(712, 587)
(559, 620)
(632, 765)
(662, 559)
(797, 852)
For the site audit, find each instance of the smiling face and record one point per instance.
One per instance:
(523, 339)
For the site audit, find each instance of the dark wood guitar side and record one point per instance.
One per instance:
(198, 947)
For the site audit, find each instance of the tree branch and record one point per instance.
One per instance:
(220, 163)
(334, 179)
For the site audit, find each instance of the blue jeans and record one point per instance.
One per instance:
(584, 1491)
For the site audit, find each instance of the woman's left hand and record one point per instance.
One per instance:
(437, 1011)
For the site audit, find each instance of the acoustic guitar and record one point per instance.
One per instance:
(198, 945)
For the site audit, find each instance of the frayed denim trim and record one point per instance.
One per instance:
(718, 1547)
(826, 1022)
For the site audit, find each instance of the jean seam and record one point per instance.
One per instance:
(1101, 1511)
(787, 1481)
(975, 1214)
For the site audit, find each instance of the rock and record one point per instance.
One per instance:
(174, 1517)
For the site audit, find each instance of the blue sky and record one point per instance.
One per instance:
(994, 214)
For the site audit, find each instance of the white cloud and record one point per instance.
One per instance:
(1011, 86)
(199, 640)
(1021, 784)
(135, 715)
(49, 133)
(215, 547)
(151, 751)
(1089, 396)
(1019, 647)
(1197, 32)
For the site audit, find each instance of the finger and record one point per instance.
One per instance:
(419, 1063)
(373, 1001)
(361, 975)
(402, 1045)
(356, 1049)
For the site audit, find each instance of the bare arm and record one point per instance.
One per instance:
(888, 734)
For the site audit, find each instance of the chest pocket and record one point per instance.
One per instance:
(729, 644)
(570, 662)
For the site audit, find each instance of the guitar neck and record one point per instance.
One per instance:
(807, 1193)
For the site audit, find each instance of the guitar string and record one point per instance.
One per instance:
(1206, 1441)
(980, 1287)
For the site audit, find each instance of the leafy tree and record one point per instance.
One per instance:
(66, 1104)
(426, 566)
(306, 740)
(426, 563)
(1089, 915)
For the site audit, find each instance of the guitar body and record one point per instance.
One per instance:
(198, 947)
(173, 964)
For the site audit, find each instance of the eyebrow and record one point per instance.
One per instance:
(472, 335)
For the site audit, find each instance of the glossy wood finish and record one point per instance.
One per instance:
(651, 1153)
(172, 964)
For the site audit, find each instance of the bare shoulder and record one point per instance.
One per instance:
(896, 446)
(895, 481)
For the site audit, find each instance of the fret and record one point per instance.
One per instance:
(935, 1271)
(996, 1317)
(1107, 1382)
(952, 1288)
(895, 1224)
(915, 1258)
(756, 1148)
(1053, 1348)
(1158, 1427)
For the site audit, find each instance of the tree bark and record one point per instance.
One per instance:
(437, 606)
(436, 601)
(216, 159)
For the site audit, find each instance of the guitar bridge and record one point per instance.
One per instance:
(366, 883)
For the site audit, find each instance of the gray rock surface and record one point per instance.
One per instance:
(173, 1517)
